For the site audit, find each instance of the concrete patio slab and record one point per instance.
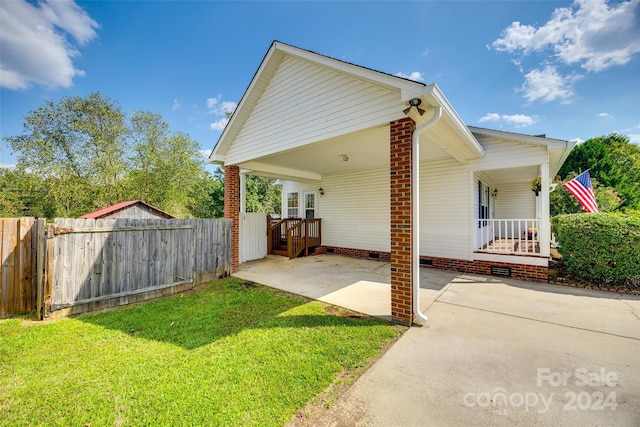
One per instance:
(494, 351)
(360, 285)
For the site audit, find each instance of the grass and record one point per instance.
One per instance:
(229, 353)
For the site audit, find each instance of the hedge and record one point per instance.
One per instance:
(601, 249)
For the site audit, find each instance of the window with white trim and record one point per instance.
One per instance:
(292, 205)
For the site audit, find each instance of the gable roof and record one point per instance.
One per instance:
(120, 206)
(558, 149)
(406, 89)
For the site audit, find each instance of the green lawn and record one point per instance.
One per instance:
(229, 353)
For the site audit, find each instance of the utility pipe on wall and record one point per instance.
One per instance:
(415, 210)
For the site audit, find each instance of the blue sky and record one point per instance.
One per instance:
(570, 70)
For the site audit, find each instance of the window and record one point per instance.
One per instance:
(484, 200)
(292, 205)
(309, 205)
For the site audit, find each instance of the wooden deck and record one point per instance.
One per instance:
(293, 237)
(512, 247)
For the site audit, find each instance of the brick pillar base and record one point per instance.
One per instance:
(232, 210)
(401, 227)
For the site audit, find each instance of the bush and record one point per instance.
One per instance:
(601, 249)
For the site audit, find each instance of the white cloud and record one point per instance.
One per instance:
(176, 105)
(605, 116)
(519, 120)
(219, 124)
(36, 46)
(206, 153)
(548, 85)
(220, 108)
(634, 138)
(425, 52)
(591, 33)
(212, 102)
(415, 76)
(490, 117)
(577, 140)
(7, 166)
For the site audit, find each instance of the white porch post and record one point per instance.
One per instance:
(243, 192)
(545, 225)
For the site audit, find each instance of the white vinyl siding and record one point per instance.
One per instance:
(305, 103)
(516, 201)
(508, 154)
(354, 209)
(444, 209)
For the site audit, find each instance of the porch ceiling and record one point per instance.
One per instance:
(365, 149)
(512, 175)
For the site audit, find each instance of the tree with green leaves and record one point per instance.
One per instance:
(614, 162)
(563, 202)
(76, 143)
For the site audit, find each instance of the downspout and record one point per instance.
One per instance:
(415, 210)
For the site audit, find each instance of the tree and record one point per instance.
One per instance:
(614, 162)
(563, 202)
(262, 195)
(165, 166)
(76, 142)
(78, 154)
(207, 197)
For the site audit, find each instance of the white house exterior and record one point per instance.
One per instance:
(386, 177)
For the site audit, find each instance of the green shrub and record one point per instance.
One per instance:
(601, 249)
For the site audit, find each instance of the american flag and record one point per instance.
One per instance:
(581, 188)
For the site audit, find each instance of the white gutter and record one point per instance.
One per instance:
(415, 210)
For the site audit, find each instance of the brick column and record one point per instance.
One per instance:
(401, 133)
(232, 210)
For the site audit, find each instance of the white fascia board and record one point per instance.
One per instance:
(538, 140)
(435, 97)
(220, 145)
(216, 158)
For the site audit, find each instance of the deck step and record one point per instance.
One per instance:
(280, 252)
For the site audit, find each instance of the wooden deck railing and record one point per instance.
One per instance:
(296, 234)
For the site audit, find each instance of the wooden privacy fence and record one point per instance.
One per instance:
(19, 238)
(87, 264)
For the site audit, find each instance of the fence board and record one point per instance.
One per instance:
(133, 256)
(17, 266)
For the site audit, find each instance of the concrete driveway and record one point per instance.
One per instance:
(494, 351)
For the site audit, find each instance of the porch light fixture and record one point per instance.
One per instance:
(495, 193)
(414, 102)
(321, 191)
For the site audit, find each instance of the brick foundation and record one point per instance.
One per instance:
(532, 273)
(400, 152)
(232, 210)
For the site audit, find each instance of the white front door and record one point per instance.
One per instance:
(309, 204)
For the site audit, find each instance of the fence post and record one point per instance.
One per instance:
(39, 255)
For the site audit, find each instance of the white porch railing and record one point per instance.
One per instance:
(509, 236)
